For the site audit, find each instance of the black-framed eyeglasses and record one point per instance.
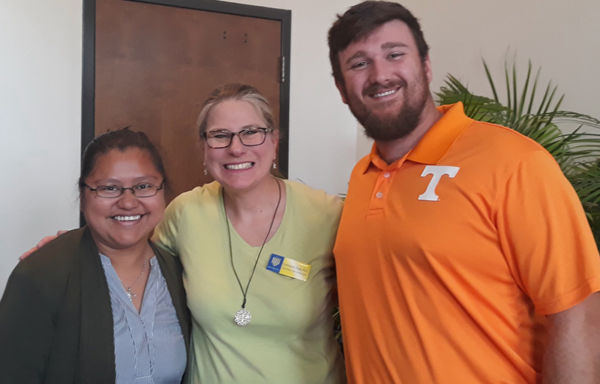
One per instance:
(222, 138)
(138, 190)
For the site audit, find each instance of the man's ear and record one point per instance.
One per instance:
(342, 90)
(427, 69)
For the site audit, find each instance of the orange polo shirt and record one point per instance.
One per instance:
(447, 258)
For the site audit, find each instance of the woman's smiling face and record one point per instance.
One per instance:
(239, 167)
(126, 221)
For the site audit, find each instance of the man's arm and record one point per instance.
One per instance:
(573, 351)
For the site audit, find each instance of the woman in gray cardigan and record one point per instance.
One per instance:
(101, 304)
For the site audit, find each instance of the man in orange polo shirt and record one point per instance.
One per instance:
(463, 254)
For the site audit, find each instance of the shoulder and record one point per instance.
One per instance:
(197, 196)
(484, 133)
(192, 211)
(47, 270)
(501, 139)
(496, 150)
(195, 201)
(56, 253)
(468, 139)
(313, 200)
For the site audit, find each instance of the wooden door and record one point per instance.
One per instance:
(155, 64)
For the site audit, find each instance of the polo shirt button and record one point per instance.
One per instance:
(386, 175)
(379, 195)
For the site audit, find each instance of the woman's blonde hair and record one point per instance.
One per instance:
(234, 91)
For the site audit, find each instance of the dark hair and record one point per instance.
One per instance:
(121, 139)
(362, 19)
(235, 91)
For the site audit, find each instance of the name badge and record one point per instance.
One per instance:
(288, 267)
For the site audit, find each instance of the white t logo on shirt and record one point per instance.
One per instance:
(437, 171)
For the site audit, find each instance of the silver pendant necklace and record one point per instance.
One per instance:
(129, 289)
(243, 316)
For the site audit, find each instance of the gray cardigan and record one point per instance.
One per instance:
(56, 322)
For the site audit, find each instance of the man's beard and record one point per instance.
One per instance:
(398, 125)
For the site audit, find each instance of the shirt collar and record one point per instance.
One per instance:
(433, 145)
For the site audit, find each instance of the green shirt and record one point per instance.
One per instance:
(290, 338)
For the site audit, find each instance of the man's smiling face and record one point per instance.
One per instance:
(386, 82)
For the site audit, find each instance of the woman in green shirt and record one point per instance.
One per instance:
(256, 253)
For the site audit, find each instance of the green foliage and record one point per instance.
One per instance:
(587, 185)
(540, 117)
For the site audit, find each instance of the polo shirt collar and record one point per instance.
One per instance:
(434, 144)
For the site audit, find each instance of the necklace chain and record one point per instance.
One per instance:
(129, 289)
(245, 291)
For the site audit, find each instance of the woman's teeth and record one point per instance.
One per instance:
(127, 218)
(239, 166)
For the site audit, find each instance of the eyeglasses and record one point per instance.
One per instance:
(138, 190)
(222, 138)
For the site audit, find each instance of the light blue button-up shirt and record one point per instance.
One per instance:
(149, 346)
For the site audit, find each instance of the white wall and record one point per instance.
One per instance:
(560, 36)
(40, 114)
(40, 88)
